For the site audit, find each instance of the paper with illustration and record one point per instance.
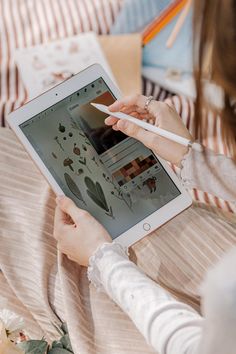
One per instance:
(43, 66)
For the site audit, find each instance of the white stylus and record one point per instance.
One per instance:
(150, 127)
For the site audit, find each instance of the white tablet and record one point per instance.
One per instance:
(116, 178)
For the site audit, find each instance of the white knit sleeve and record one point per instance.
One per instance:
(212, 173)
(170, 326)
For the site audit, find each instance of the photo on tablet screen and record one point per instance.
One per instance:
(116, 178)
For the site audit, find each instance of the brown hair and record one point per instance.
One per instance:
(215, 43)
(215, 56)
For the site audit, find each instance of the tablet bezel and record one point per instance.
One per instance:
(58, 93)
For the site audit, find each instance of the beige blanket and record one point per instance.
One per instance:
(46, 288)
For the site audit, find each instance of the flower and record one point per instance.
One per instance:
(6, 346)
(11, 321)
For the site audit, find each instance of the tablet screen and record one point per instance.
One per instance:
(116, 178)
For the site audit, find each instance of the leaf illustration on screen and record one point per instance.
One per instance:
(83, 161)
(58, 142)
(95, 192)
(126, 197)
(73, 187)
(94, 160)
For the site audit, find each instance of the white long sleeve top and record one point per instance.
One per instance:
(171, 326)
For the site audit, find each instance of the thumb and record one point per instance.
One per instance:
(69, 207)
(149, 139)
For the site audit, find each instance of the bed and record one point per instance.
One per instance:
(43, 285)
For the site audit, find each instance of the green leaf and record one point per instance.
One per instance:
(101, 195)
(90, 185)
(96, 200)
(57, 344)
(65, 340)
(58, 351)
(34, 346)
(73, 187)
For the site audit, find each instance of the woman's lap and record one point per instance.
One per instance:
(51, 288)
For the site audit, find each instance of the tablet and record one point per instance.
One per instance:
(123, 184)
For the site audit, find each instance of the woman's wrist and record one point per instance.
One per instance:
(105, 249)
(185, 152)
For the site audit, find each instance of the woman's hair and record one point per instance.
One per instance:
(214, 53)
(215, 58)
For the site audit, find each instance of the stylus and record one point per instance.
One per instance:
(150, 127)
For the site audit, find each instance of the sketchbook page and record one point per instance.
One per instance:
(43, 66)
(124, 54)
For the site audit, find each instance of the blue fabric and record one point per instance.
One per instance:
(136, 14)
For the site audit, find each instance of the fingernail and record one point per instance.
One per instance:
(59, 198)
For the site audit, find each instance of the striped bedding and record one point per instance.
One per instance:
(30, 22)
(45, 287)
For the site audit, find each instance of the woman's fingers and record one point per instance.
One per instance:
(114, 127)
(59, 222)
(59, 216)
(69, 207)
(169, 102)
(137, 100)
(134, 131)
(111, 120)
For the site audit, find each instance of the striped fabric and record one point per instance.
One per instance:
(45, 287)
(25, 23)
(30, 22)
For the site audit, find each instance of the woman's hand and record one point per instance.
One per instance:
(162, 114)
(77, 232)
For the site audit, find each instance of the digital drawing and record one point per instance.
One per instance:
(73, 187)
(83, 161)
(58, 142)
(118, 193)
(76, 150)
(94, 160)
(75, 126)
(80, 172)
(151, 184)
(61, 128)
(95, 192)
(68, 162)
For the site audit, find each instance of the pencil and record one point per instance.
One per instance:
(163, 20)
(179, 24)
(152, 128)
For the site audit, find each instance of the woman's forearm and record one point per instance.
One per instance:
(170, 326)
